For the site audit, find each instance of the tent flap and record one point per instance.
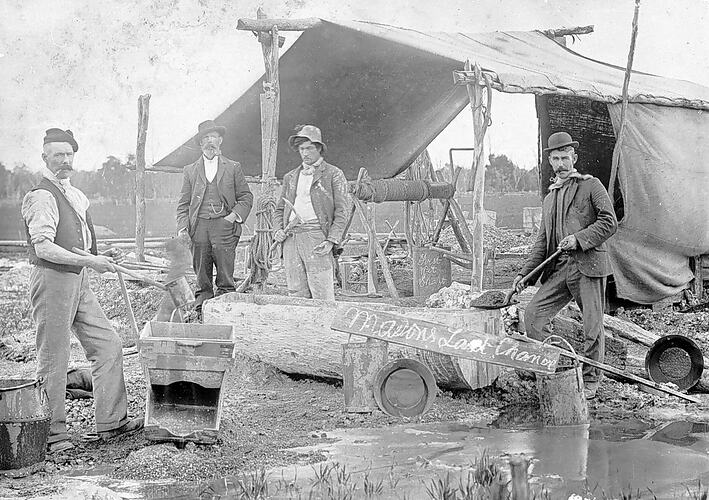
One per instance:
(664, 179)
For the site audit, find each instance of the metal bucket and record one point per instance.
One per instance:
(24, 423)
(432, 271)
(360, 363)
(405, 388)
(180, 292)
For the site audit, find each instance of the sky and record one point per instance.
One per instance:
(81, 64)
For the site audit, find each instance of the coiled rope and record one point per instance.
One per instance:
(258, 259)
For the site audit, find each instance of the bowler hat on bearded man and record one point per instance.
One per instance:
(59, 135)
(560, 140)
(208, 126)
(309, 132)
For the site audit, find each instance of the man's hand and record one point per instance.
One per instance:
(518, 284)
(323, 248)
(102, 264)
(115, 254)
(280, 236)
(568, 243)
(231, 218)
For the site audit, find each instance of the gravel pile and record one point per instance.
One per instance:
(493, 237)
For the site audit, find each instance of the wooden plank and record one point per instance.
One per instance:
(439, 338)
(283, 24)
(143, 109)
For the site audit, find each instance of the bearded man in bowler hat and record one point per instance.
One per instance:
(318, 192)
(578, 218)
(57, 220)
(214, 202)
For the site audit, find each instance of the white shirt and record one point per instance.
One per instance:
(40, 211)
(210, 167)
(303, 204)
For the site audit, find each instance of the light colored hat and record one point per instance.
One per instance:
(309, 132)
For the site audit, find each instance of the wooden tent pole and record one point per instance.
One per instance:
(143, 107)
(624, 105)
(481, 121)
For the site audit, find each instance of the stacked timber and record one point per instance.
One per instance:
(294, 335)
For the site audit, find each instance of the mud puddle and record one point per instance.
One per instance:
(606, 458)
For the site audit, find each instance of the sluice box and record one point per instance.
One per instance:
(184, 366)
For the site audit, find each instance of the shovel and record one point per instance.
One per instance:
(492, 299)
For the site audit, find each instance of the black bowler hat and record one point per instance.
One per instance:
(560, 140)
(209, 126)
(59, 135)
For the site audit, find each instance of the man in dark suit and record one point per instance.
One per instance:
(214, 202)
(577, 217)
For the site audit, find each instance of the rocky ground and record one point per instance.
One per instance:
(265, 413)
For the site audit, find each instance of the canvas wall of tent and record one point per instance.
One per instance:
(381, 94)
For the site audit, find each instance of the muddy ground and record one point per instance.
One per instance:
(267, 413)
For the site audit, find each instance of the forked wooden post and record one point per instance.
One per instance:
(143, 107)
(481, 120)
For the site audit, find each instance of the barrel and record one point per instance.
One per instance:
(24, 423)
(432, 271)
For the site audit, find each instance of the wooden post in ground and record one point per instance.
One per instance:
(143, 106)
(481, 120)
(372, 252)
(519, 482)
(270, 111)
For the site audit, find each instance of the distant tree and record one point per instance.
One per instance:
(5, 175)
(118, 182)
(22, 180)
(503, 176)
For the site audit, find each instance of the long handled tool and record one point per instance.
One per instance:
(492, 299)
(128, 272)
(124, 292)
(611, 369)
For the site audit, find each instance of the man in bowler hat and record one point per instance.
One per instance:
(214, 202)
(578, 218)
(57, 220)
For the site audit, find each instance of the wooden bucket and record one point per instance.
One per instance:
(432, 271)
(361, 361)
(561, 398)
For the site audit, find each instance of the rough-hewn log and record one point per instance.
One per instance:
(294, 335)
(577, 30)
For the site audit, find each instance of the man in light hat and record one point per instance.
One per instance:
(578, 218)
(214, 202)
(318, 192)
(56, 221)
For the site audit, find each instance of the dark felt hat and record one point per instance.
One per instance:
(208, 126)
(560, 140)
(59, 135)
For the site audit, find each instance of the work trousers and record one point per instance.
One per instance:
(214, 245)
(307, 274)
(565, 283)
(62, 302)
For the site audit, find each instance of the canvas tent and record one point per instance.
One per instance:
(381, 94)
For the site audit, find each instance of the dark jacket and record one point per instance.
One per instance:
(233, 190)
(589, 216)
(69, 233)
(328, 194)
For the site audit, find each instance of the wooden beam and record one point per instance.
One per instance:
(265, 24)
(170, 169)
(143, 108)
(576, 30)
(480, 96)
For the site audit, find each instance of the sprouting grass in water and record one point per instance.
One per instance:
(699, 494)
(253, 486)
